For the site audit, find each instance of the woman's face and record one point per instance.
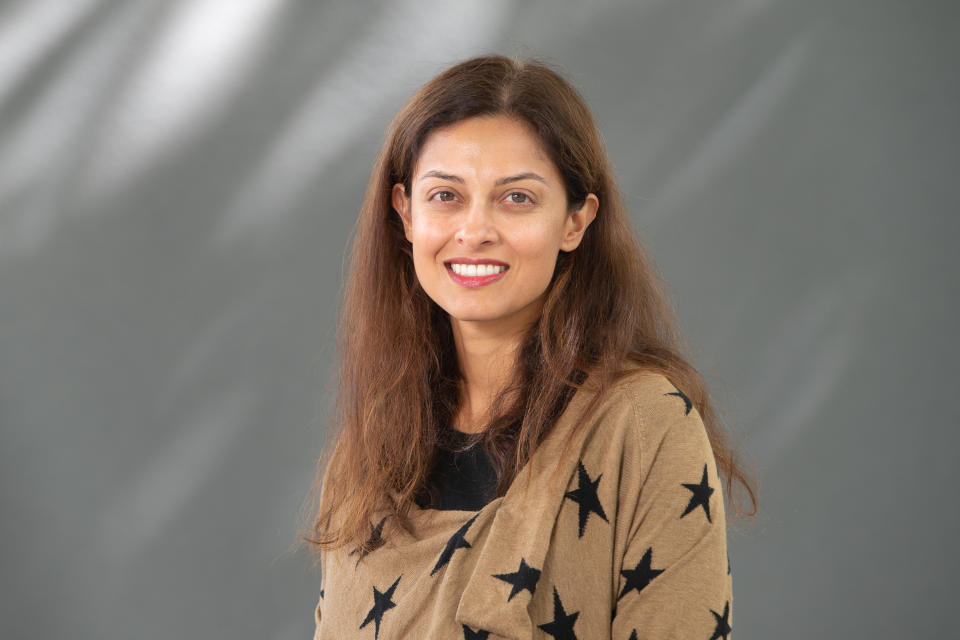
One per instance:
(487, 216)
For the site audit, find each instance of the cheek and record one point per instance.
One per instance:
(426, 238)
(538, 243)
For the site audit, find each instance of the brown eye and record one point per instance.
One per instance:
(444, 196)
(519, 198)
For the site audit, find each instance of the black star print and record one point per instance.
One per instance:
(686, 401)
(562, 625)
(633, 635)
(585, 495)
(376, 537)
(523, 578)
(381, 603)
(723, 625)
(470, 634)
(701, 495)
(641, 576)
(456, 541)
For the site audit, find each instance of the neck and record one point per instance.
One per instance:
(487, 356)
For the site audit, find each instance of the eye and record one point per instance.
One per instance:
(518, 197)
(444, 196)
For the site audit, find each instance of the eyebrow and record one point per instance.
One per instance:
(529, 175)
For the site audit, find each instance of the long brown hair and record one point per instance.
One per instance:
(605, 315)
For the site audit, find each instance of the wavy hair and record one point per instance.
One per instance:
(605, 316)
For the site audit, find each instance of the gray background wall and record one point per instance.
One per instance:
(178, 181)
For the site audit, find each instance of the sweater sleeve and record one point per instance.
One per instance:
(318, 610)
(674, 577)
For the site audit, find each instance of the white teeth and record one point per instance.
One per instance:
(476, 269)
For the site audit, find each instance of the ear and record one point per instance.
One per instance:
(577, 223)
(401, 204)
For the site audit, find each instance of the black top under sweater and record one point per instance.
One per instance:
(462, 480)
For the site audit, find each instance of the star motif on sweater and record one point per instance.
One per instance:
(523, 578)
(723, 625)
(641, 576)
(381, 603)
(456, 541)
(701, 495)
(561, 627)
(479, 634)
(686, 401)
(376, 537)
(585, 495)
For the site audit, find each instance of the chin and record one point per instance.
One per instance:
(474, 315)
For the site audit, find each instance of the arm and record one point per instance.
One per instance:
(673, 580)
(318, 610)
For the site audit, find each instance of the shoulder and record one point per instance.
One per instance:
(650, 415)
(652, 396)
(655, 398)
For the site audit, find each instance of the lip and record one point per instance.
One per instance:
(475, 261)
(473, 282)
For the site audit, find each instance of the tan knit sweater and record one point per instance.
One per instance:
(622, 538)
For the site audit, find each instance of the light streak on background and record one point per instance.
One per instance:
(348, 98)
(193, 66)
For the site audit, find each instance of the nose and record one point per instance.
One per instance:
(476, 228)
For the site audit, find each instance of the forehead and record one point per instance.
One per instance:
(485, 147)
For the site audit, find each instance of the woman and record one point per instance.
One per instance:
(522, 449)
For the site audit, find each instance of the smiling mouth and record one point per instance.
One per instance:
(475, 276)
(476, 270)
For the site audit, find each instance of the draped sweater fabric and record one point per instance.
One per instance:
(622, 537)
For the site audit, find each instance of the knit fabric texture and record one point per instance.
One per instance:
(622, 537)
